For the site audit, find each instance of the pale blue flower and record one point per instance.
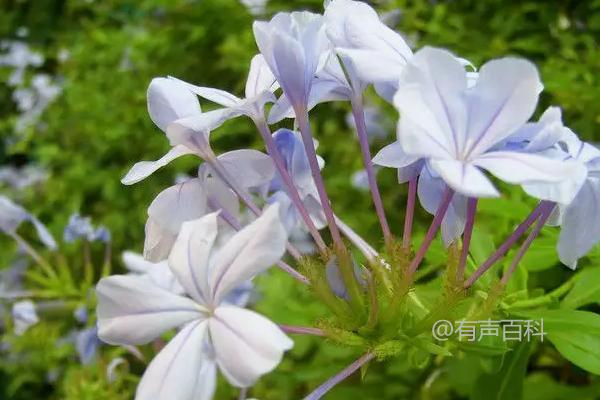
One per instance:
(87, 344)
(24, 316)
(580, 219)
(372, 52)
(243, 344)
(81, 228)
(460, 130)
(292, 45)
(12, 215)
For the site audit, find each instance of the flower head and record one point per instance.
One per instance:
(13, 215)
(292, 45)
(242, 343)
(460, 130)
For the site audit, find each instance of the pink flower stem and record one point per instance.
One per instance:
(471, 211)
(527, 243)
(363, 139)
(291, 189)
(302, 330)
(508, 243)
(329, 384)
(433, 229)
(307, 139)
(410, 212)
(235, 224)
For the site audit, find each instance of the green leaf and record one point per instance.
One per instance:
(507, 384)
(585, 291)
(539, 386)
(576, 335)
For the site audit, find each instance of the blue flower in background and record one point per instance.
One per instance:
(81, 228)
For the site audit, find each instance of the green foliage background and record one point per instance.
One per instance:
(98, 127)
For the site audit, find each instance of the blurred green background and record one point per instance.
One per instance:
(101, 55)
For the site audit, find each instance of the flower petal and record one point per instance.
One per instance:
(144, 169)
(218, 96)
(519, 168)
(190, 256)
(250, 251)
(260, 77)
(431, 98)
(172, 207)
(501, 101)
(170, 100)
(393, 156)
(133, 310)
(290, 60)
(251, 168)
(581, 224)
(181, 370)
(464, 178)
(247, 345)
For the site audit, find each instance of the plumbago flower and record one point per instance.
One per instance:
(580, 218)
(460, 130)
(13, 215)
(242, 343)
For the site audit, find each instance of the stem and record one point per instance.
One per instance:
(234, 223)
(471, 211)
(291, 189)
(365, 248)
(547, 298)
(307, 139)
(410, 212)
(504, 247)
(302, 330)
(526, 244)
(433, 229)
(243, 392)
(33, 253)
(329, 384)
(361, 130)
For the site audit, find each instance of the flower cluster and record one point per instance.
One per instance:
(207, 236)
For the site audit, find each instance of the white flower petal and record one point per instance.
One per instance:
(172, 207)
(158, 241)
(247, 345)
(431, 97)
(393, 156)
(519, 168)
(170, 100)
(181, 370)
(144, 169)
(251, 168)
(133, 310)
(260, 77)
(464, 178)
(291, 65)
(372, 66)
(189, 258)
(581, 224)
(501, 101)
(194, 132)
(218, 96)
(251, 250)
